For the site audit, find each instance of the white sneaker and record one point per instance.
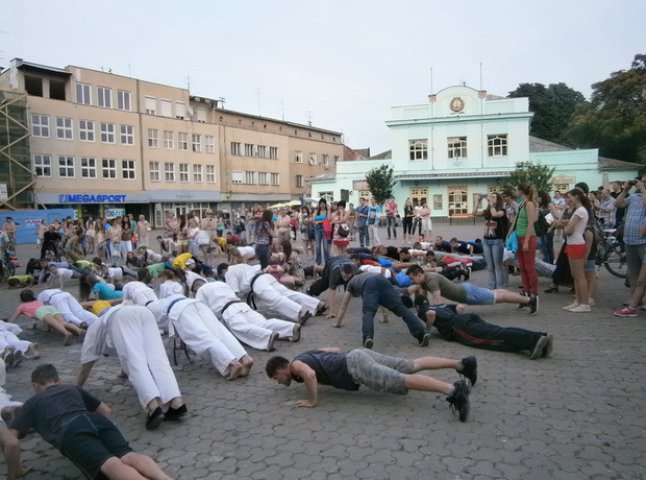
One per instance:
(591, 302)
(581, 309)
(571, 306)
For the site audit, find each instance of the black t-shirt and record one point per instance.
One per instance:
(330, 368)
(50, 411)
(443, 247)
(333, 271)
(444, 315)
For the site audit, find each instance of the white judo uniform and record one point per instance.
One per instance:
(246, 324)
(170, 287)
(199, 329)
(269, 293)
(138, 293)
(67, 305)
(132, 332)
(9, 338)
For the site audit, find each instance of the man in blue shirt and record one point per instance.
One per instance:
(362, 222)
(374, 212)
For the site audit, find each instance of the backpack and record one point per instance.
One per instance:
(541, 226)
(343, 231)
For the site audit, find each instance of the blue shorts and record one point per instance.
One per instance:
(478, 295)
(590, 266)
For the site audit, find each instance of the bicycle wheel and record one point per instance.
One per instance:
(614, 259)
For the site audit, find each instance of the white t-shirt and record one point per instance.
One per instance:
(576, 237)
(375, 269)
(64, 273)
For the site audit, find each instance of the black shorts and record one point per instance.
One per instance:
(90, 440)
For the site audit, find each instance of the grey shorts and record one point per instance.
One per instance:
(478, 295)
(635, 259)
(379, 372)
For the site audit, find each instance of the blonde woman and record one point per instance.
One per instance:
(527, 241)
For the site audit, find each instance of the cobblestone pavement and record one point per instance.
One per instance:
(576, 415)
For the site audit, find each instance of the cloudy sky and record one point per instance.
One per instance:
(340, 64)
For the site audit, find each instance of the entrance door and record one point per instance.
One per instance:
(419, 195)
(458, 200)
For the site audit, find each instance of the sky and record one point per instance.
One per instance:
(340, 64)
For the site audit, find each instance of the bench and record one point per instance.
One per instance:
(462, 216)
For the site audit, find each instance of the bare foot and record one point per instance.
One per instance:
(67, 340)
(235, 370)
(247, 363)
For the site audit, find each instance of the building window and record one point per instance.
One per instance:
(235, 148)
(153, 167)
(123, 100)
(183, 172)
(64, 128)
(166, 108)
(312, 159)
(196, 142)
(182, 141)
(83, 94)
(299, 181)
(40, 125)
(168, 139)
(153, 138)
(336, 159)
(88, 167)
(127, 134)
(497, 145)
(248, 150)
(128, 169)
(273, 153)
(250, 178)
(65, 166)
(262, 178)
(275, 179)
(419, 195)
(109, 168)
(418, 149)
(458, 200)
(328, 196)
(261, 151)
(201, 115)
(104, 96)
(237, 176)
(326, 160)
(210, 174)
(437, 201)
(150, 104)
(107, 132)
(180, 110)
(457, 147)
(86, 130)
(561, 187)
(209, 144)
(169, 172)
(43, 165)
(197, 173)
(298, 157)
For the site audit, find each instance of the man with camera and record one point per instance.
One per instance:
(635, 241)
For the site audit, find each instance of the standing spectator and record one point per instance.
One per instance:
(526, 218)
(307, 231)
(126, 237)
(511, 207)
(143, 231)
(495, 231)
(635, 241)
(264, 235)
(90, 235)
(42, 228)
(320, 241)
(362, 223)
(220, 226)
(545, 208)
(115, 238)
(51, 239)
(374, 213)
(9, 227)
(283, 226)
(417, 222)
(192, 232)
(427, 225)
(340, 229)
(171, 223)
(391, 217)
(407, 223)
(607, 211)
(557, 233)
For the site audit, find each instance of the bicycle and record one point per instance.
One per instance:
(611, 252)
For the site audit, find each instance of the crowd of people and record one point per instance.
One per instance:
(219, 293)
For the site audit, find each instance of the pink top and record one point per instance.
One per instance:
(29, 308)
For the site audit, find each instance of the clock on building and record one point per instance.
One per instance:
(456, 105)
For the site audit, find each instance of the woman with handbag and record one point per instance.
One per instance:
(340, 229)
(264, 236)
(322, 231)
(527, 241)
(496, 227)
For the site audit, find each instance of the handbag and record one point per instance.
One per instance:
(327, 228)
(511, 243)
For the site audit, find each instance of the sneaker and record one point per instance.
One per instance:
(625, 312)
(303, 317)
(467, 274)
(469, 369)
(272, 339)
(581, 309)
(533, 304)
(547, 351)
(368, 343)
(424, 338)
(523, 305)
(591, 302)
(541, 343)
(570, 306)
(459, 399)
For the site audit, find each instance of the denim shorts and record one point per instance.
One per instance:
(379, 372)
(590, 266)
(478, 295)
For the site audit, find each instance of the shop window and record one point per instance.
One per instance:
(458, 200)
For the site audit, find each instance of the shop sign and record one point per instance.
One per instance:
(89, 198)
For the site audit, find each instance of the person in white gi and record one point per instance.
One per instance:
(131, 331)
(138, 293)
(247, 325)
(169, 286)
(191, 278)
(202, 332)
(13, 349)
(9, 443)
(68, 306)
(270, 293)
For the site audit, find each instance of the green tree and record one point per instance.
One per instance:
(531, 173)
(615, 118)
(553, 107)
(380, 182)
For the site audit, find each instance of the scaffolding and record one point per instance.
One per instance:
(15, 164)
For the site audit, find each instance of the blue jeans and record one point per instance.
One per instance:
(263, 252)
(322, 246)
(392, 222)
(364, 236)
(378, 291)
(492, 249)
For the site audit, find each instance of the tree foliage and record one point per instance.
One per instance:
(530, 173)
(553, 108)
(380, 182)
(615, 119)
